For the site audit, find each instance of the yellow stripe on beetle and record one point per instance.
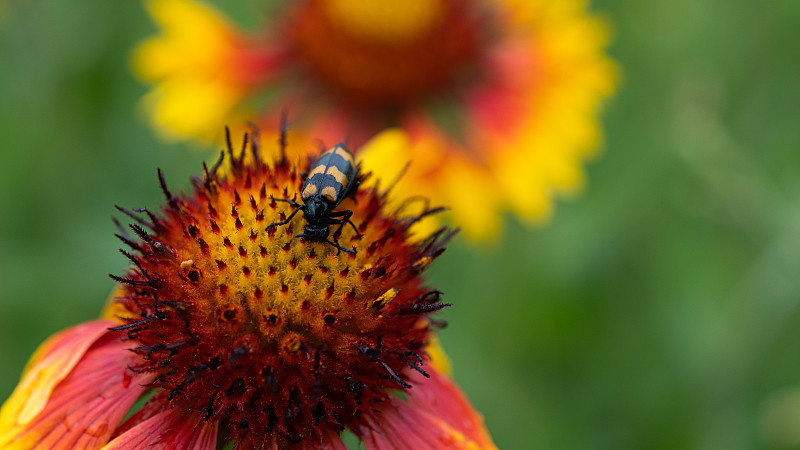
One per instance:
(329, 193)
(346, 155)
(338, 175)
(318, 169)
(341, 152)
(310, 190)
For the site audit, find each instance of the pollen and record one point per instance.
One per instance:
(284, 339)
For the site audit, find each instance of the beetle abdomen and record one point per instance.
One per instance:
(330, 175)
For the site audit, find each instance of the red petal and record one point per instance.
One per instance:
(154, 406)
(437, 416)
(51, 362)
(168, 430)
(85, 407)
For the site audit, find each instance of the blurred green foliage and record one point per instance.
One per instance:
(657, 310)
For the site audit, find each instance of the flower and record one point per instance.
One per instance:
(493, 103)
(238, 330)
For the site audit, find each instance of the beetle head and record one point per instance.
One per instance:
(316, 212)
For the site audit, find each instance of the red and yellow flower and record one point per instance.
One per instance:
(493, 103)
(237, 331)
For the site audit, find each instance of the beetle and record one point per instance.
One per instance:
(332, 178)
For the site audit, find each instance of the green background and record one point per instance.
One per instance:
(657, 310)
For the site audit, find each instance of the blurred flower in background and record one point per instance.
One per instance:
(226, 326)
(493, 104)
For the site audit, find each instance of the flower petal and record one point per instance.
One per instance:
(439, 359)
(435, 164)
(190, 62)
(170, 429)
(51, 362)
(157, 404)
(195, 35)
(437, 416)
(113, 309)
(74, 397)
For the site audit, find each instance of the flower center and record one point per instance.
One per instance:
(390, 21)
(385, 53)
(284, 338)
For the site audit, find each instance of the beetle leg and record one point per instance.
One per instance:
(339, 222)
(288, 219)
(287, 200)
(335, 243)
(339, 248)
(346, 250)
(345, 217)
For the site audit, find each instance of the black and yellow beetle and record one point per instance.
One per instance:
(331, 179)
